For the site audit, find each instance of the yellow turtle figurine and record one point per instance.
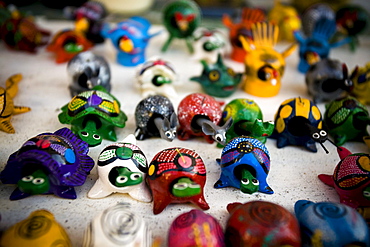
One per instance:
(7, 107)
(39, 229)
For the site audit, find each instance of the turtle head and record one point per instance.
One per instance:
(34, 183)
(248, 183)
(124, 177)
(90, 134)
(185, 187)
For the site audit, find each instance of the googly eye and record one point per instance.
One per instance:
(168, 134)
(245, 181)
(323, 133)
(84, 134)
(27, 178)
(255, 182)
(219, 137)
(96, 137)
(135, 176)
(315, 135)
(121, 179)
(180, 186)
(38, 181)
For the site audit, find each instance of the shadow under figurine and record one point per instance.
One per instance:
(49, 163)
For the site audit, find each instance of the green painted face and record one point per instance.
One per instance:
(366, 193)
(248, 183)
(90, 134)
(127, 178)
(160, 80)
(34, 184)
(185, 187)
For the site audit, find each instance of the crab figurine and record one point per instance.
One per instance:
(243, 28)
(130, 37)
(361, 84)
(118, 226)
(327, 80)
(157, 76)
(247, 120)
(87, 70)
(49, 163)
(155, 116)
(346, 120)
(177, 175)
(181, 18)
(93, 115)
(264, 66)
(200, 115)
(330, 224)
(245, 164)
(39, 229)
(68, 43)
(208, 44)
(195, 228)
(261, 223)
(217, 79)
(7, 107)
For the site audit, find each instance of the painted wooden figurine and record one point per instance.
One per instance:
(361, 84)
(208, 44)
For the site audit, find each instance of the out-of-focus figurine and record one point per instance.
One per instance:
(122, 168)
(346, 119)
(200, 115)
(208, 44)
(217, 79)
(93, 115)
(351, 178)
(329, 224)
(155, 116)
(49, 163)
(39, 229)
(177, 175)
(7, 107)
(367, 140)
(244, 29)
(286, 18)
(261, 223)
(89, 19)
(181, 18)
(328, 79)
(264, 66)
(68, 43)
(87, 70)
(118, 226)
(157, 76)
(130, 37)
(195, 228)
(247, 120)
(361, 84)
(245, 164)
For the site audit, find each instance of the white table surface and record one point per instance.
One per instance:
(44, 88)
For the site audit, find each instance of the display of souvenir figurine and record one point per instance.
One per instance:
(93, 115)
(156, 76)
(208, 44)
(361, 84)
(155, 116)
(130, 38)
(243, 28)
(195, 228)
(87, 70)
(200, 115)
(245, 164)
(346, 119)
(181, 18)
(218, 80)
(328, 79)
(261, 223)
(68, 43)
(118, 226)
(264, 66)
(330, 224)
(49, 163)
(247, 120)
(177, 175)
(39, 229)
(7, 107)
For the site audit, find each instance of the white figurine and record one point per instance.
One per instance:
(208, 44)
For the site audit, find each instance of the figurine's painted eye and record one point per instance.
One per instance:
(194, 185)
(315, 135)
(214, 75)
(366, 194)
(245, 181)
(219, 137)
(348, 83)
(27, 178)
(73, 47)
(180, 186)
(135, 176)
(230, 72)
(38, 181)
(169, 134)
(96, 137)
(255, 181)
(209, 46)
(323, 133)
(174, 133)
(121, 179)
(84, 134)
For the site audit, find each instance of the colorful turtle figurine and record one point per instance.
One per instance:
(217, 79)
(39, 229)
(208, 44)
(351, 178)
(247, 120)
(330, 224)
(177, 175)
(181, 18)
(122, 168)
(7, 107)
(346, 119)
(195, 228)
(261, 223)
(49, 163)
(155, 116)
(93, 115)
(361, 84)
(200, 115)
(245, 164)
(118, 226)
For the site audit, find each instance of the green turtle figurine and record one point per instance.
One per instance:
(93, 115)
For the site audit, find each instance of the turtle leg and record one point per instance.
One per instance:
(18, 194)
(12, 84)
(6, 126)
(200, 202)
(20, 109)
(65, 192)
